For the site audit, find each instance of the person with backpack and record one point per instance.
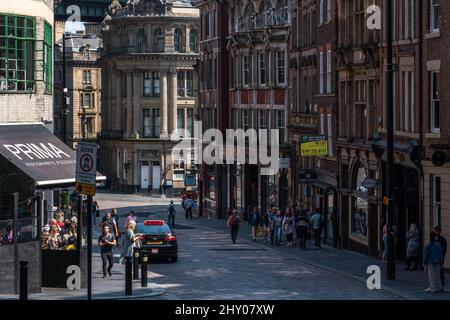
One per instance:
(316, 222)
(302, 228)
(233, 224)
(188, 205)
(171, 214)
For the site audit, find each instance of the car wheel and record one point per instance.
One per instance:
(174, 259)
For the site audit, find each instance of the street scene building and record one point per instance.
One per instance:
(77, 113)
(149, 93)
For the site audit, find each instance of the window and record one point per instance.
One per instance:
(261, 68)
(434, 101)
(86, 100)
(408, 19)
(141, 40)
(185, 84)
(360, 21)
(158, 40)
(151, 122)
(434, 15)
(180, 119)
(245, 123)
(87, 76)
(180, 84)
(147, 84)
(321, 12)
(329, 71)
(408, 101)
(329, 13)
(151, 84)
(262, 119)
(48, 57)
(436, 200)
(193, 41)
(178, 40)
(207, 25)
(321, 73)
(281, 67)
(156, 84)
(322, 123)
(330, 135)
(245, 71)
(189, 83)
(17, 62)
(279, 124)
(283, 6)
(190, 121)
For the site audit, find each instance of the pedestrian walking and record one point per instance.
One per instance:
(253, 221)
(107, 242)
(443, 243)
(171, 214)
(271, 215)
(412, 249)
(316, 222)
(432, 261)
(302, 227)
(288, 227)
(188, 205)
(109, 221)
(233, 224)
(96, 209)
(130, 241)
(265, 223)
(115, 215)
(278, 221)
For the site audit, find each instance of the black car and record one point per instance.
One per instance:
(158, 240)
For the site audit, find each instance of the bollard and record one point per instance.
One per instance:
(23, 285)
(128, 276)
(144, 271)
(135, 263)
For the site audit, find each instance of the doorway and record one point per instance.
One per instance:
(145, 169)
(156, 176)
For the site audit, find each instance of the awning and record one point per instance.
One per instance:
(39, 154)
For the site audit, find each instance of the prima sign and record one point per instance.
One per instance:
(34, 152)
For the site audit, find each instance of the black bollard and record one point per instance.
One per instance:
(144, 271)
(128, 276)
(23, 285)
(135, 263)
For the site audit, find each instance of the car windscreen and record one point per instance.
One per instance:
(141, 228)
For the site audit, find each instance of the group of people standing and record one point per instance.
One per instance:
(273, 224)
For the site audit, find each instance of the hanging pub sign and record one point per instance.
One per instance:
(314, 146)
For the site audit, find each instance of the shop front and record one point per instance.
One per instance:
(34, 166)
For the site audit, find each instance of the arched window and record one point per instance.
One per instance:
(360, 203)
(141, 41)
(193, 41)
(178, 40)
(266, 14)
(158, 40)
(249, 18)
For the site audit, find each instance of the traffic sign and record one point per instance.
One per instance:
(86, 170)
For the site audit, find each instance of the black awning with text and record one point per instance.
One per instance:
(38, 153)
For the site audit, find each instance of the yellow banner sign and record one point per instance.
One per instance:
(314, 146)
(87, 189)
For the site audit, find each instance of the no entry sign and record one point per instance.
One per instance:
(86, 168)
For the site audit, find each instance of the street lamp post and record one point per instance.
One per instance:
(389, 203)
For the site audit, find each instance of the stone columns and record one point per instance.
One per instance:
(164, 132)
(174, 103)
(118, 109)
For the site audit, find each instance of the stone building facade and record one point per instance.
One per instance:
(83, 82)
(149, 82)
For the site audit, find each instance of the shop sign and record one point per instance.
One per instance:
(314, 146)
(285, 163)
(190, 180)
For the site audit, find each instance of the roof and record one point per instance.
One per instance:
(75, 42)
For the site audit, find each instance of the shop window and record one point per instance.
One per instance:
(360, 203)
